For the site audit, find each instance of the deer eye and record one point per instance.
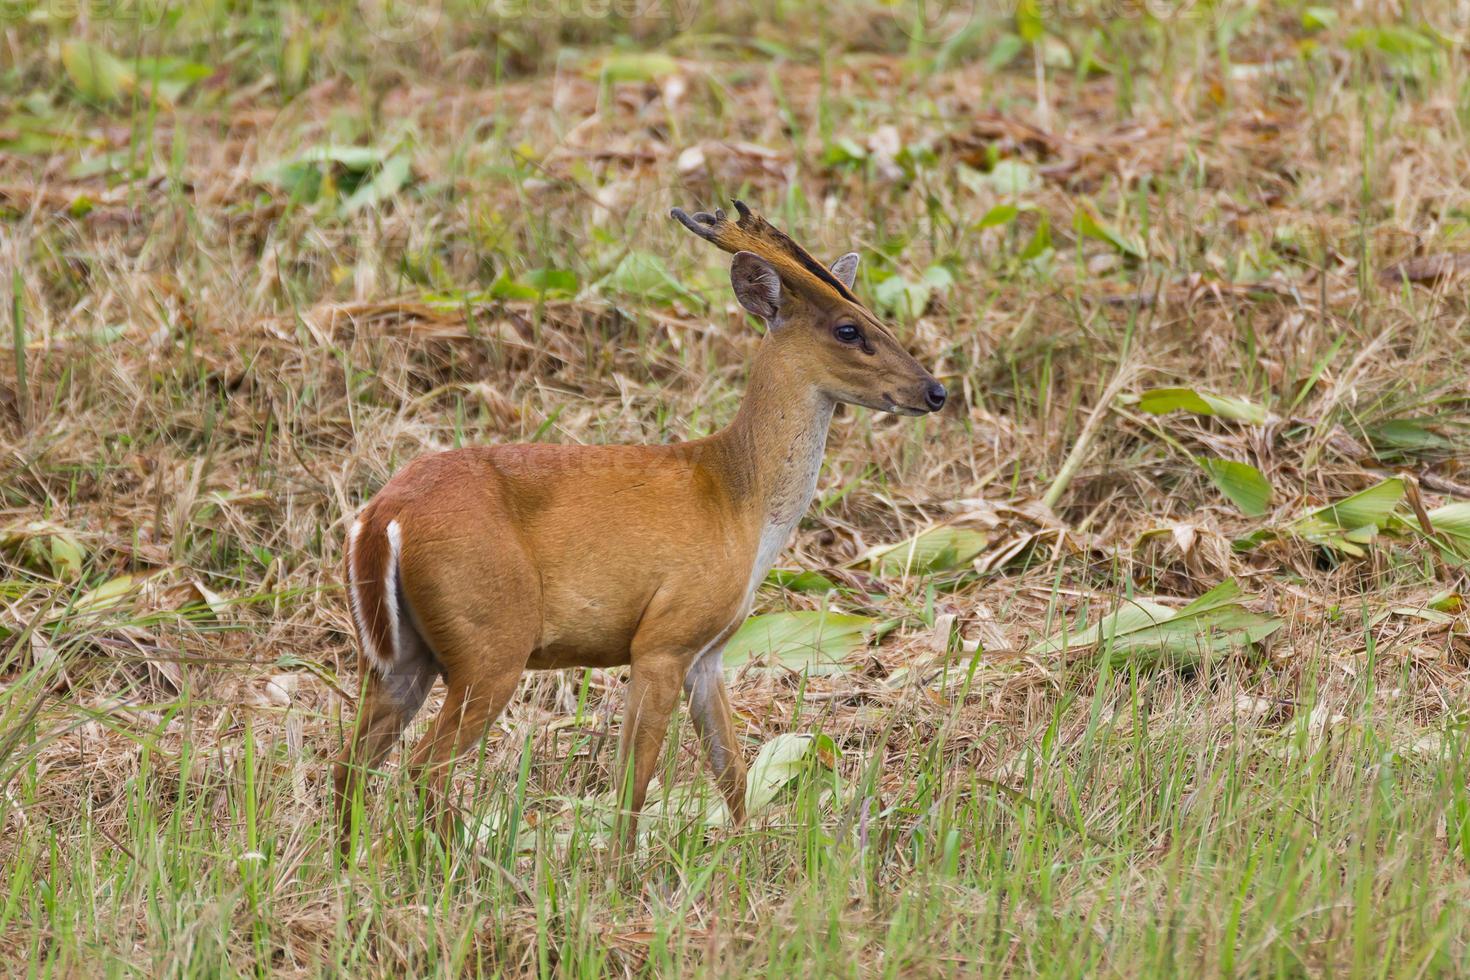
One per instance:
(847, 333)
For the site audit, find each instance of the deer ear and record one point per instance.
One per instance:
(756, 285)
(845, 269)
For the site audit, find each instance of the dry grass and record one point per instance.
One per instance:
(216, 374)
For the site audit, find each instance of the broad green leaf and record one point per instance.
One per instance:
(357, 158)
(108, 595)
(1452, 523)
(1012, 177)
(295, 60)
(506, 286)
(559, 281)
(97, 74)
(169, 78)
(1246, 487)
(1318, 18)
(1001, 214)
(935, 550)
(1131, 616)
(1089, 225)
(939, 278)
(815, 641)
(1006, 48)
(1040, 242)
(1160, 401)
(844, 150)
(902, 297)
(1213, 623)
(389, 180)
(366, 174)
(800, 580)
(641, 66)
(1029, 22)
(642, 275)
(46, 546)
(1353, 521)
(1407, 436)
(781, 761)
(1447, 601)
(301, 180)
(66, 556)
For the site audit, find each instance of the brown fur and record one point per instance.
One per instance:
(524, 557)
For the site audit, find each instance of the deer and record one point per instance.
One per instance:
(477, 564)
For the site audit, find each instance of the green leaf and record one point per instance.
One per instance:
(302, 181)
(1086, 224)
(1448, 601)
(935, 550)
(1012, 177)
(389, 180)
(800, 581)
(108, 595)
(1246, 487)
(639, 66)
(1029, 23)
(844, 151)
(168, 77)
(47, 546)
(900, 297)
(1407, 436)
(97, 74)
(1040, 242)
(1159, 401)
(1452, 523)
(559, 281)
(1007, 47)
(1318, 18)
(506, 286)
(66, 556)
(1213, 623)
(806, 640)
(367, 174)
(1352, 521)
(644, 276)
(1373, 506)
(939, 278)
(359, 159)
(781, 761)
(1001, 214)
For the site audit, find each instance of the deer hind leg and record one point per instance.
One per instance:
(391, 697)
(709, 705)
(470, 708)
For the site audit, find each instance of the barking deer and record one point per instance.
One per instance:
(477, 564)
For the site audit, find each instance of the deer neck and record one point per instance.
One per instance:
(771, 453)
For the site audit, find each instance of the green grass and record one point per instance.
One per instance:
(260, 255)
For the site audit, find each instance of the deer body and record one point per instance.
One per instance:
(477, 564)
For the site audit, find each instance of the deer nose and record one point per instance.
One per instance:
(934, 396)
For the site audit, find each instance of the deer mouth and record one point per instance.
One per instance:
(890, 404)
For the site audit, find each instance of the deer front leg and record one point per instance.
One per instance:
(653, 693)
(709, 705)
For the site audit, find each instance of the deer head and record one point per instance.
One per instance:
(846, 352)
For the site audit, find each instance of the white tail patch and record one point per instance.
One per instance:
(354, 595)
(381, 660)
(390, 588)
